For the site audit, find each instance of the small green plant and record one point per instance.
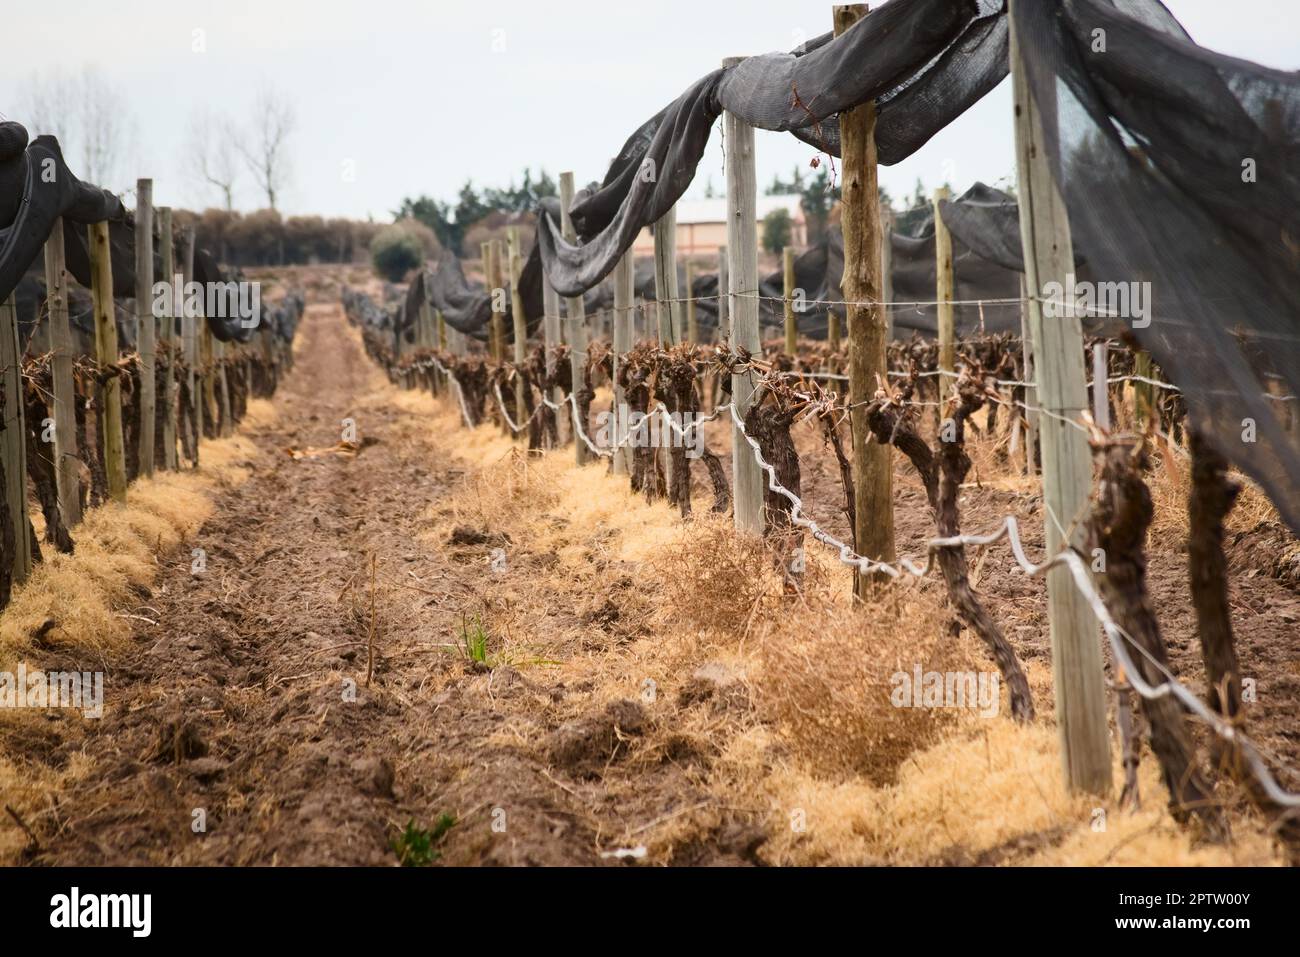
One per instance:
(417, 846)
(473, 640)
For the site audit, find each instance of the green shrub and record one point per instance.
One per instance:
(395, 251)
(776, 230)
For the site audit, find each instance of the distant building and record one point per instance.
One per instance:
(702, 225)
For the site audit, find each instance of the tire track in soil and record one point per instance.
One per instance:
(234, 703)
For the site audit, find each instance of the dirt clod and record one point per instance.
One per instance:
(586, 745)
(376, 775)
(179, 740)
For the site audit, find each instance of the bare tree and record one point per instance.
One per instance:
(103, 122)
(88, 115)
(49, 105)
(265, 149)
(211, 153)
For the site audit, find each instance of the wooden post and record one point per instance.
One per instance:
(1143, 392)
(724, 326)
(1100, 386)
(577, 320)
(1031, 391)
(144, 318)
(167, 328)
(551, 333)
(943, 295)
(520, 323)
(833, 330)
(101, 291)
(13, 441)
(748, 480)
(428, 333)
(190, 326)
(498, 296)
(692, 324)
(791, 326)
(887, 219)
(624, 280)
(873, 483)
(220, 350)
(485, 254)
(667, 292)
(1067, 469)
(208, 355)
(67, 474)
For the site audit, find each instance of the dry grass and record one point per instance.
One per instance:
(825, 684)
(117, 548)
(86, 595)
(815, 748)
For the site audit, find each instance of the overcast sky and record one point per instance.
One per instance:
(419, 97)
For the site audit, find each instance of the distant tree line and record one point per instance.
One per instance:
(265, 238)
(477, 215)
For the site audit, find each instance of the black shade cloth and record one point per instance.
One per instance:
(923, 61)
(36, 188)
(1181, 168)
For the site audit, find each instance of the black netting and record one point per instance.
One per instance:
(1181, 168)
(923, 61)
(36, 188)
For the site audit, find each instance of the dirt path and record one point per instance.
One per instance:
(246, 709)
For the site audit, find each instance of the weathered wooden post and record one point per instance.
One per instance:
(943, 296)
(208, 356)
(499, 293)
(791, 326)
(1143, 392)
(145, 318)
(577, 321)
(1101, 385)
(552, 335)
(520, 324)
(101, 291)
(1031, 390)
(66, 474)
(742, 291)
(667, 291)
(13, 441)
(221, 352)
(485, 255)
(724, 325)
(1067, 470)
(168, 337)
(190, 327)
(427, 335)
(624, 280)
(873, 485)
